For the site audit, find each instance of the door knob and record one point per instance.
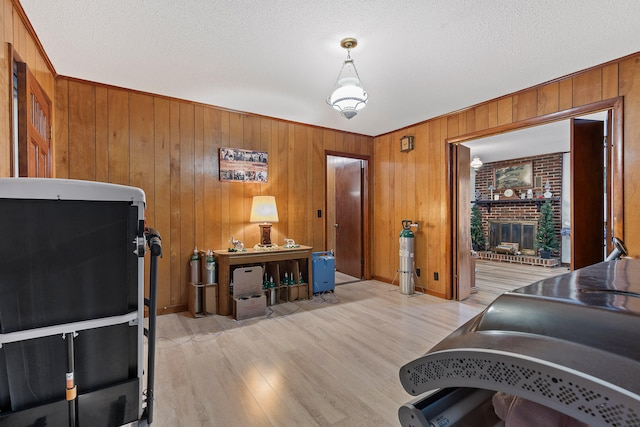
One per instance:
(335, 225)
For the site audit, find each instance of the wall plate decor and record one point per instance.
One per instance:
(243, 165)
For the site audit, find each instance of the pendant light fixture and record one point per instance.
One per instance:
(348, 95)
(476, 163)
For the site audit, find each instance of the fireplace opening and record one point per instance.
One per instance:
(513, 231)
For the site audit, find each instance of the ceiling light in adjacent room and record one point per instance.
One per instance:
(348, 95)
(476, 163)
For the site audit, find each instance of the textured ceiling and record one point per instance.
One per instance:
(417, 59)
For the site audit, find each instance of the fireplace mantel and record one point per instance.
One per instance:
(538, 202)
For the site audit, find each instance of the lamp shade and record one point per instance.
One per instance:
(263, 209)
(348, 96)
(476, 163)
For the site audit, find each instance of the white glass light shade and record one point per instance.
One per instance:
(348, 95)
(263, 209)
(476, 163)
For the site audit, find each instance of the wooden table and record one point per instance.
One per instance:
(225, 260)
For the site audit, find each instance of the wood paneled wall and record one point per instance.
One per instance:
(17, 40)
(416, 185)
(170, 149)
(413, 185)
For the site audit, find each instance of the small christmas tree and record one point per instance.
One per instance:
(477, 235)
(546, 238)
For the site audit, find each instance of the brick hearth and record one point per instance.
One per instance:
(519, 259)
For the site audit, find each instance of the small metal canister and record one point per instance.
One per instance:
(210, 268)
(194, 263)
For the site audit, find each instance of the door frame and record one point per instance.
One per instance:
(12, 57)
(366, 211)
(616, 163)
(461, 247)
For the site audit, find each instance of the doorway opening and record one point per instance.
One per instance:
(580, 175)
(346, 214)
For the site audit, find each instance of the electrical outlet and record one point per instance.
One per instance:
(418, 272)
(436, 276)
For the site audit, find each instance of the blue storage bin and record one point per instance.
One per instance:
(324, 271)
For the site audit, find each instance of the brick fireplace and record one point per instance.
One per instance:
(513, 219)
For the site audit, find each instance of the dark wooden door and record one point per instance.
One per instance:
(608, 183)
(348, 203)
(465, 275)
(587, 192)
(34, 127)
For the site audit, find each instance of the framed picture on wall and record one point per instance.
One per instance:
(243, 165)
(516, 176)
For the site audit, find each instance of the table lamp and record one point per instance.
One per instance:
(264, 212)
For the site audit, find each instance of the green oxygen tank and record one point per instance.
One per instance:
(407, 262)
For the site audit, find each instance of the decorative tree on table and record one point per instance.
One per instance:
(477, 235)
(546, 239)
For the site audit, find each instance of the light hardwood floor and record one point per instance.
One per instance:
(495, 278)
(330, 361)
(342, 278)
